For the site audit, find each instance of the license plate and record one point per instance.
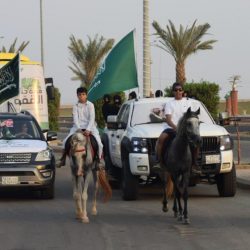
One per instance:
(9, 180)
(212, 159)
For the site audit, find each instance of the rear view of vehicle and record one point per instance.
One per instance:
(26, 160)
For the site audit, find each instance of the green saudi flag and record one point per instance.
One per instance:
(118, 71)
(9, 79)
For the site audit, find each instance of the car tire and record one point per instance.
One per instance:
(111, 169)
(130, 183)
(48, 192)
(226, 183)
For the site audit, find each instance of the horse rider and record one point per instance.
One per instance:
(84, 119)
(174, 110)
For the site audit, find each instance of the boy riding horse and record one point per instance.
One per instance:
(84, 119)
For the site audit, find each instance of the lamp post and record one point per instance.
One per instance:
(146, 51)
(41, 30)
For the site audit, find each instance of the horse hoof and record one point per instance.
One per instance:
(79, 215)
(85, 220)
(165, 209)
(94, 212)
(186, 221)
(180, 218)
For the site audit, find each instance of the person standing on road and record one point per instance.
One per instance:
(174, 110)
(84, 119)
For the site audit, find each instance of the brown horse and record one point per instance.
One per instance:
(84, 169)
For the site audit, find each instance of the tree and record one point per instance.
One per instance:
(12, 48)
(183, 43)
(86, 58)
(234, 80)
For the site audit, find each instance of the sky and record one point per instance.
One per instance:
(229, 20)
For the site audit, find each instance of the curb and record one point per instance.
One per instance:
(242, 183)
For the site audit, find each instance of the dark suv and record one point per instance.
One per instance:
(26, 160)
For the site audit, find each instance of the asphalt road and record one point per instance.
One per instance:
(28, 223)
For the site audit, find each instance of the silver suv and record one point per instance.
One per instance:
(26, 160)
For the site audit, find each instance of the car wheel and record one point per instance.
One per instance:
(130, 183)
(111, 169)
(48, 192)
(226, 183)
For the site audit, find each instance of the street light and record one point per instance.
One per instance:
(41, 30)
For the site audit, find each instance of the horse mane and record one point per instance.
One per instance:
(181, 123)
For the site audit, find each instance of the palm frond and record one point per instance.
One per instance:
(86, 57)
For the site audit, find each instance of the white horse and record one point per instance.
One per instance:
(84, 168)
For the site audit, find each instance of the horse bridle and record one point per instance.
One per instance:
(190, 139)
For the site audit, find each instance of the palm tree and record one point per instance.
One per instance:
(86, 58)
(183, 43)
(12, 48)
(234, 80)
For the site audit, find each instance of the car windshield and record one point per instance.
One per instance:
(142, 112)
(19, 129)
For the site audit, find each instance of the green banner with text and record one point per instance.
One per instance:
(9, 80)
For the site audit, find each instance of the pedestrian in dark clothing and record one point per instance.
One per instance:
(132, 95)
(106, 107)
(158, 93)
(116, 104)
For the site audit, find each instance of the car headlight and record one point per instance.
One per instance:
(226, 143)
(139, 145)
(43, 155)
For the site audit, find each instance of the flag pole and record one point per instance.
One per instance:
(19, 80)
(136, 58)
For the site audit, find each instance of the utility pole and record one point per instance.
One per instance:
(146, 51)
(41, 30)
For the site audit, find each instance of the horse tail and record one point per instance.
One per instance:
(104, 183)
(170, 186)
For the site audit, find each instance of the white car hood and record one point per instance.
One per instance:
(22, 146)
(151, 130)
(154, 130)
(212, 130)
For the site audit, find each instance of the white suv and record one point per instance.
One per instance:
(129, 146)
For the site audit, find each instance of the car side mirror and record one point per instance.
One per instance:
(112, 122)
(51, 136)
(122, 125)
